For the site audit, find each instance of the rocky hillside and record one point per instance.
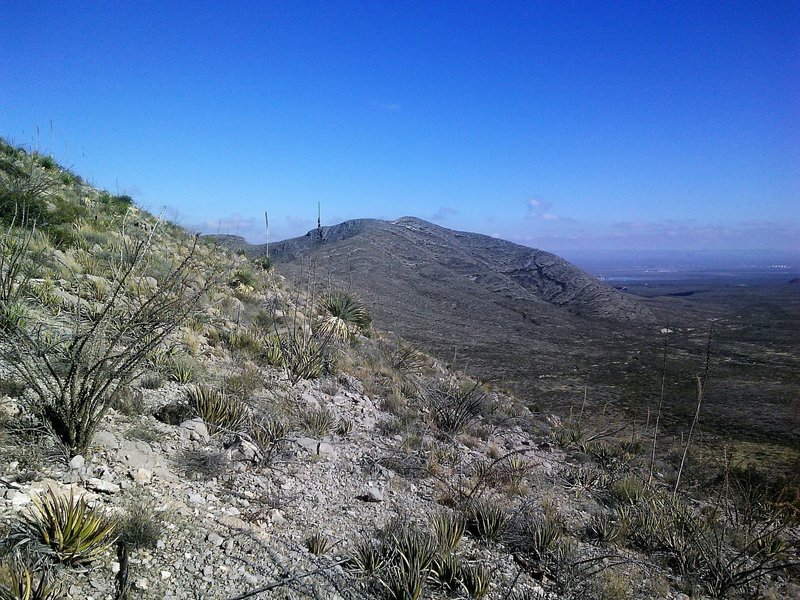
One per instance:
(409, 250)
(501, 310)
(178, 421)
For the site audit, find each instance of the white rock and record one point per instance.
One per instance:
(195, 430)
(100, 485)
(143, 476)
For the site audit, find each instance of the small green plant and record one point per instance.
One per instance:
(319, 544)
(454, 406)
(476, 580)
(344, 427)
(447, 569)
(368, 557)
(318, 422)
(17, 582)
(303, 356)
(141, 525)
(242, 385)
(76, 533)
(448, 527)
(628, 490)
(486, 520)
(605, 528)
(183, 369)
(219, 413)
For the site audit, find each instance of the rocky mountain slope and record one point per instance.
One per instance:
(498, 309)
(256, 438)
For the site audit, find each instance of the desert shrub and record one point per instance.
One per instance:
(243, 277)
(75, 533)
(129, 402)
(11, 387)
(203, 463)
(78, 365)
(141, 525)
(263, 262)
(453, 407)
(242, 385)
(708, 552)
(269, 434)
(219, 413)
(344, 315)
(23, 191)
(117, 204)
(151, 381)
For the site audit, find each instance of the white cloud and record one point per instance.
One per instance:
(542, 210)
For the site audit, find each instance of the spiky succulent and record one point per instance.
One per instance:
(344, 315)
(76, 533)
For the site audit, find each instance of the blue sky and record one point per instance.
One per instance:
(560, 125)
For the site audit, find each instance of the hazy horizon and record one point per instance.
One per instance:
(568, 127)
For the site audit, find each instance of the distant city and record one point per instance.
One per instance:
(638, 265)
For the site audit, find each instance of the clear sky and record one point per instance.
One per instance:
(560, 125)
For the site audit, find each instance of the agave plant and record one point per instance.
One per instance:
(344, 316)
(18, 583)
(77, 533)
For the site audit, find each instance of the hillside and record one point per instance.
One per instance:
(179, 421)
(503, 311)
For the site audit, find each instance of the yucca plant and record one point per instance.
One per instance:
(319, 544)
(183, 369)
(318, 422)
(605, 528)
(76, 533)
(303, 356)
(218, 412)
(475, 579)
(368, 556)
(448, 527)
(17, 582)
(486, 520)
(447, 569)
(345, 315)
(411, 554)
